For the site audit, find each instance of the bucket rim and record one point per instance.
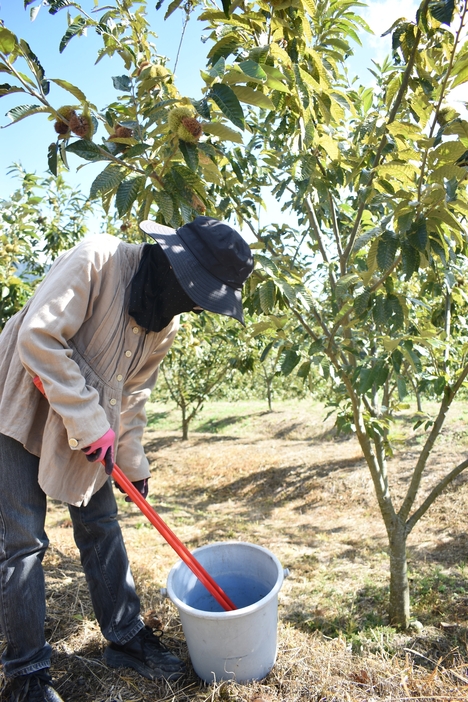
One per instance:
(243, 611)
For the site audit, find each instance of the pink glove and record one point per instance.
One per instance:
(102, 449)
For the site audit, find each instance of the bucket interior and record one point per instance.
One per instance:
(247, 573)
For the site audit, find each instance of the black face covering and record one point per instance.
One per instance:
(156, 295)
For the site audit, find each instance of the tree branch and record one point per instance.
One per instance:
(435, 492)
(428, 446)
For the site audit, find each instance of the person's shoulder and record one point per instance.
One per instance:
(102, 248)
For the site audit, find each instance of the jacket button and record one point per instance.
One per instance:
(73, 443)
(128, 354)
(119, 377)
(136, 330)
(113, 401)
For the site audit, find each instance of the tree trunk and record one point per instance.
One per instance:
(185, 424)
(269, 393)
(399, 605)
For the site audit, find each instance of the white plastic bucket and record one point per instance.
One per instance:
(239, 645)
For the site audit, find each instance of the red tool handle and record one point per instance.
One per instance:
(181, 550)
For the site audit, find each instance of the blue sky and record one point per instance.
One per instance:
(27, 141)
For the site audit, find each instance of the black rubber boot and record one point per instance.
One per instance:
(35, 687)
(146, 654)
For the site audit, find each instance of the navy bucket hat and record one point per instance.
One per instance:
(210, 260)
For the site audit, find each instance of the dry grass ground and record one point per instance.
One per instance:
(284, 481)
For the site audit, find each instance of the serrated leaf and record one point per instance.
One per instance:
(7, 89)
(84, 148)
(107, 180)
(411, 260)
(52, 158)
(225, 46)
(76, 27)
(127, 193)
(363, 239)
(386, 250)
(267, 294)
(70, 88)
(442, 10)
(123, 83)
(202, 107)
(22, 111)
(217, 71)
(190, 154)
(253, 97)
(165, 205)
(222, 132)
(8, 41)
(136, 150)
(228, 103)
(344, 283)
(361, 303)
(252, 69)
(405, 173)
(417, 234)
(394, 312)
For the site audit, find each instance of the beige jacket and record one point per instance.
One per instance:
(96, 364)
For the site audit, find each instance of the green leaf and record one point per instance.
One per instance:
(394, 313)
(76, 92)
(222, 132)
(411, 260)
(7, 89)
(190, 154)
(252, 69)
(417, 235)
(401, 386)
(165, 205)
(344, 283)
(22, 111)
(290, 361)
(127, 193)
(361, 303)
(217, 71)
(267, 294)
(123, 83)
(386, 250)
(228, 103)
(136, 150)
(373, 377)
(226, 6)
(8, 41)
(106, 181)
(304, 370)
(442, 10)
(253, 97)
(225, 46)
(84, 148)
(76, 27)
(202, 107)
(52, 158)
(172, 7)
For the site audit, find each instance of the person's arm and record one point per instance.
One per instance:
(130, 454)
(61, 304)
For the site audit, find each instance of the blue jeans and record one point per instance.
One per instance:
(23, 543)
